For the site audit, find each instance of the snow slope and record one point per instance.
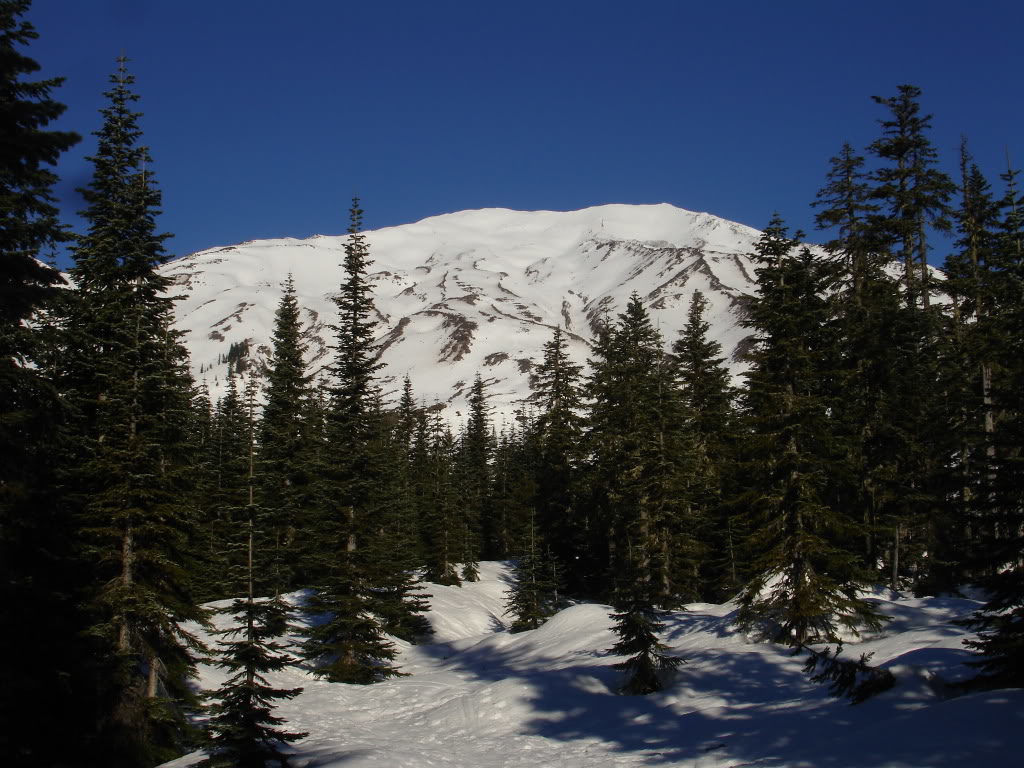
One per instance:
(475, 290)
(480, 697)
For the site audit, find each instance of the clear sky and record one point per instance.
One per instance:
(265, 118)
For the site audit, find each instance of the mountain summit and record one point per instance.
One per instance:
(474, 291)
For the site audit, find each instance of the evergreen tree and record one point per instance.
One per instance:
(28, 216)
(513, 485)
(913, 195)
(912, 192)
(392, 565)
(868, 318)
(638, 627)
(440, 516)
(970, 349)
(558, 433)
(35, 559)
(638, 465)
(242, 723)
(284, 442)
(226, 499)
(708, 401)
(807, 577)
(347, 641)
(205, 573)
(244, 730)
(1000, 623)
(534, 594)
(125, 372)
(480, 532)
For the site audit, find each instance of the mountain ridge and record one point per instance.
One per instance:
(474, 291)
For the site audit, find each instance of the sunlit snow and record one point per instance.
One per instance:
(478, 696)
(474, 291)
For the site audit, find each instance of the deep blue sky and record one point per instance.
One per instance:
(264, 118)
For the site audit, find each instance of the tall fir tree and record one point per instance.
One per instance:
(638, 465)
(440, 510)
(868, 314)
(1000, 622)
(913, 193)
(808, 575)
(225, 500)
(391, 565)
(481, 534)
(513, 486)
(913, 197)
(557, 390)
(347, 643)
(35, 558)
(284, 441)
(970, 350)
(125, 374)
(242, 723)
(708, 400)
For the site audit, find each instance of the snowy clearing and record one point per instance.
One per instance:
(478, 696)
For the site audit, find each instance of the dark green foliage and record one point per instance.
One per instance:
(391, 564)
(640, 456)
(284, 442)
(28, 216)
(237, 357)
(480, 532)
(1000, 623)
(127, 386)
(434, 460)
(242, 725)
(557, 435)
(908, 452)
(534, 594)
(347, 641)
(513, 485)
(911, 191)
(638, 627)
(853, 680)
(38, 661)
(865, 386)
(641, 453)
(970, 360)
(847, 208)
(708, 396)
(807, 574)
(226, 473)
(244, 730)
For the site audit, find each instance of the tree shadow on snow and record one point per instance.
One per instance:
(725, 706)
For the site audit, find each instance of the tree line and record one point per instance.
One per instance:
(875, 438)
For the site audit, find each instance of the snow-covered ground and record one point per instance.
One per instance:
(478, 696)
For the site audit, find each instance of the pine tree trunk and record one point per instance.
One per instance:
(895, 581)
(732, 553)
(127, 576)
(153, 678)
(922, 247)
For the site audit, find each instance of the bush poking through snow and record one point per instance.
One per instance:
(854, 680)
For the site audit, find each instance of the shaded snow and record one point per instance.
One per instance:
(481, 697)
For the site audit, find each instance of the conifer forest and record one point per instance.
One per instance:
(875, 439)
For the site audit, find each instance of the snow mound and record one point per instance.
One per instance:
(479, 696)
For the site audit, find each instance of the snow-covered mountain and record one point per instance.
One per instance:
(475, 291)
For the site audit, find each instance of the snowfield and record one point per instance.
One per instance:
(473, 292)
(478, 696)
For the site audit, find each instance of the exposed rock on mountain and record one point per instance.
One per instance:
(475, 291)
